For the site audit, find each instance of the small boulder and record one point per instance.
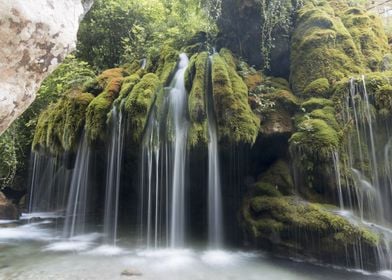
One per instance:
(8, 210)
(131, 272)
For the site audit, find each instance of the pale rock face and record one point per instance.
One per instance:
(35, 36)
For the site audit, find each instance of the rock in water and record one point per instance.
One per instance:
(131, 272)
(35, 36)
(8, 210)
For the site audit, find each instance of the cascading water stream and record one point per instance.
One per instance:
(49, 182)
(75, 218)
(113, 175)
(371, 194)
(163, 166)
(178, 102)
(215, 223)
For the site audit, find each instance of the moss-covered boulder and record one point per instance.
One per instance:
(322, 47)
(289, 225)
(368, 34)
(139, 103)
(316, 103)
(317, 88)
(60, 125)
(315, 138)
(278, 176)
(236, 121)
(313, 149)
(97, 111)
(196, 78)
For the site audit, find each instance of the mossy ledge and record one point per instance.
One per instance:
(289, 225)
(60, 125)
(322, 48)
(196, 79)
(236, 121)
(97, 111)
(139, 103)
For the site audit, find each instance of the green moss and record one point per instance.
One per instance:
(253, 80)
(386, 64)
(167, 64)
(197, 77)
(318, 88)
(96, 86)
(97, 112)
(383, 99)
(284, 100)
(60, 125)
(321, 48)
(326, 114)
(378, 87)
(368, 34)
(128, 84)
(315, 139)
(316, 103)
(139, 102)
(288, 215)
(236, 121)
(279, 175)
(266, 189)
(8, 155)
(278, 83)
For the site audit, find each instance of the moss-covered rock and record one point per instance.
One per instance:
(167, 64)
(138, 104)
(383, 100)
(317, 88)
(322, 47)
(313, 146)
(60, 125)
(266, 216)
(279, 176)
(386, 64)
(97, 111)
(368, 34)
(378, 88)
(196, 83)
(315, 138)
(96, 86)
(128, 84)
(316, 103)
(236, 121)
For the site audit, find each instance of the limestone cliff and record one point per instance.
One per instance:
(35, 36)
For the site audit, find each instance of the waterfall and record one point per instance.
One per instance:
(143, 63)
(75, 218)
(336, 164)
(113, 175)
(215, 223)
(163, 166)
(178, 102)
(48, 184)
(369, 150)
